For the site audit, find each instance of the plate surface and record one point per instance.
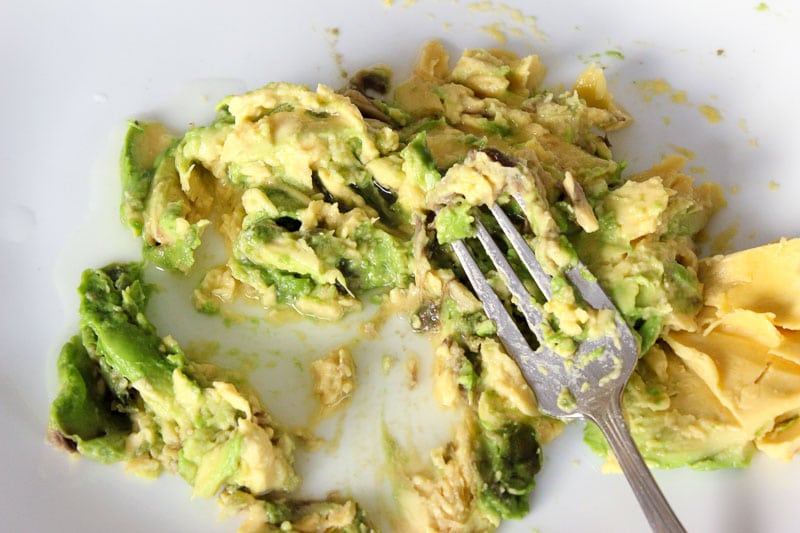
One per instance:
(73, 73)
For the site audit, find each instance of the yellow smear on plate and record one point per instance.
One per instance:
(516, 22)
(202, 350)
(678, 97)
(774, 185)
(651, 88)
(712, 114)
(480, 6)
(332, 37)
(496, 32)
(406, 3)
(515, 14)
(742, 125)
(698, 170)
(685, 152)
(658, 87)
(722, 242)
(387, 362)
(412, 370)
(735, 189)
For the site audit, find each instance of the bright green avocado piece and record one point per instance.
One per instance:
(120, 368)
(454, 222)
(112, 302)
(418, 163)
(82, 412)
(222, 464)
(383, 259)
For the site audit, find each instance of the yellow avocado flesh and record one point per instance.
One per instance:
(745, 350)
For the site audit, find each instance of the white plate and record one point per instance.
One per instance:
(72, 73)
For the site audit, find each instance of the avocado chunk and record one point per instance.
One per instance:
(286, 514)
(144, 143)
(510, 458)
(454, 222)
(326, 199)
(676, 420)
(171, 232)
(321, 264)
(418, 162)
(82, 414)
(128, 394)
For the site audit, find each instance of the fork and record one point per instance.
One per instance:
(590, 386)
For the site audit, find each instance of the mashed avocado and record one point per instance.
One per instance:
(325, 199)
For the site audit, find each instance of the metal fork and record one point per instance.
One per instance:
(600, 368)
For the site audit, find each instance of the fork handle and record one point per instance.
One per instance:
(655, 506)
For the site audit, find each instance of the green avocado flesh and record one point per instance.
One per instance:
(326, 200)
(128, 394)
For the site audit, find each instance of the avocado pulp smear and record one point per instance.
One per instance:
(327, 199)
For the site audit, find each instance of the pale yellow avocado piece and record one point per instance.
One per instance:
(415, 96)
(514, 398)
(334, 377)
(445, 499)
(296, 255)
(764, 279)
(308, 134)
(783, 442)
(747, 347)
(637, 207)
(736, 364)
(592, 87)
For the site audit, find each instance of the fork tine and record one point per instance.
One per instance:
(583, 280)
(580, 276)
(533, 314)
(507, 330)
(524, 251)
